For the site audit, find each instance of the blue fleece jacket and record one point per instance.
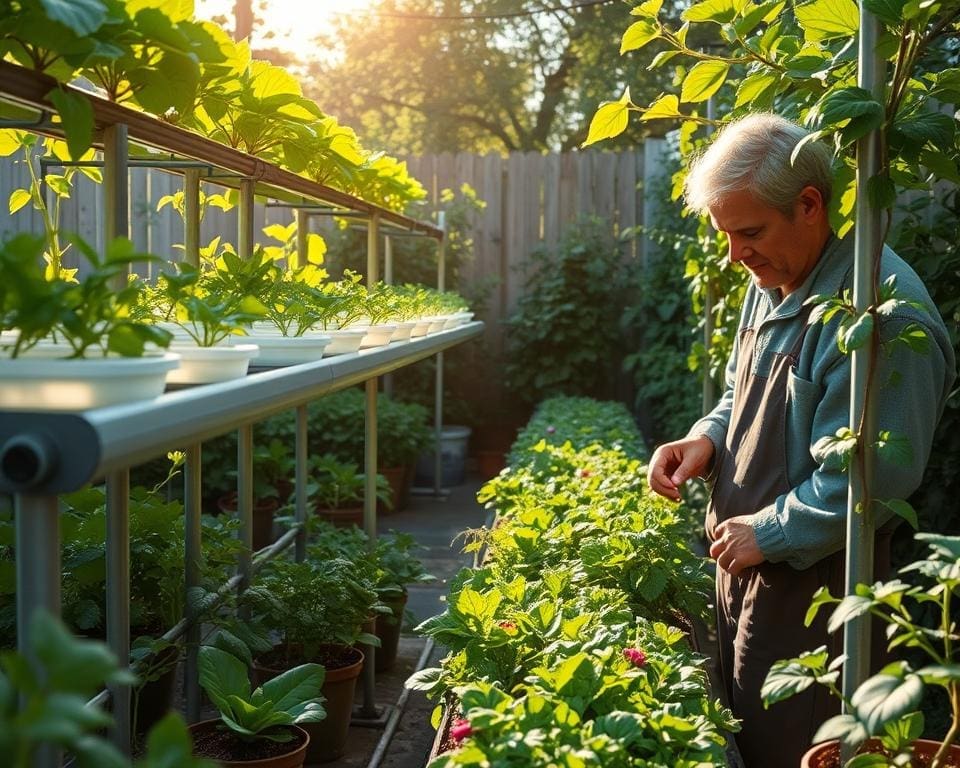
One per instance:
(808, 523)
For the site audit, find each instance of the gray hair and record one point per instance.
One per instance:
(753, 154)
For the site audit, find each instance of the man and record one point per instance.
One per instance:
(776, 518)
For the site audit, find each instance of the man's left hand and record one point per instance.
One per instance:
(735, 545)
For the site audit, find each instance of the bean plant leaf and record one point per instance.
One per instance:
(648, 9)
(718, 11)
(828, 19)
(844, 727)
(757, 88)
(905, 510)
(82, 16)
(857, 335)
(665, 106)
(890, 12)
(18, 199)
(76, 113)
(886, 697)
(638, 35)
(852, 110)
(609, 121)
(703, 81)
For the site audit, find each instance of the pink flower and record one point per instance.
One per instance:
(507, 626)
(551, 429)
(460, 730)
(635, 656)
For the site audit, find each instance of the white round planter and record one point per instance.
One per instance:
(345, 340)
(206, 365)
(277, 350)
(465, 317)
(378, 335)
(436, 324)
(451, 321)
(404, 329)
(40, 382)
(421, 328)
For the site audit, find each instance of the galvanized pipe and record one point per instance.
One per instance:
(245, 502)
(245, 210)
(301, 451)
(867, 248)
(191, 216)
(38, 579)
(118, 598)
(193, 557)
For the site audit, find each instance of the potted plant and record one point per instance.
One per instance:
(397, 568)
(203, 309)
(258, 727)
(882, 722)
(78, 338)
(43, 702)
(402, 435)
(273, 466)
(317, 608)
(336, 490)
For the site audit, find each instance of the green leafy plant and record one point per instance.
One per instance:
(886, 705)
(92, 316)
(335, 484)
(291, 697)
(43, 701)
(560, 339)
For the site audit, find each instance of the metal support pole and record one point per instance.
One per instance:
(245, 503)
(191, 216)
(369, 709)
(115, 192)
(300, 453)
(388, 279)
(245, 219)
(193, 552)
(303, 229)
(867, 246)
(118, 598)
(438, 383)
(38, 579)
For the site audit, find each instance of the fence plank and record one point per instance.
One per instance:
(603, 176)
(491, 253)
(569, 169)
(551, 199)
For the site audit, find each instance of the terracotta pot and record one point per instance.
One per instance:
(388, 630)
(263, 510)
(342, 517)
(292, 758)
(328, 738)
(395, 478)
(490, 462)
(827, 754)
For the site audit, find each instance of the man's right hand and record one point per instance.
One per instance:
(675, 463)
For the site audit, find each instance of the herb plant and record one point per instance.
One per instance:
(886, 705)
(291, 697)
(337, 485)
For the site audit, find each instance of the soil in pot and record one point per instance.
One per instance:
(328, 738)
(388, 630)
(395, 479)
(220, 744)
(263, 511)
(342, 517)
(827, 755)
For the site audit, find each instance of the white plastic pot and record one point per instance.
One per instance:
(345, 340)
(277, 350)
(404, 329)
(40, 382)
(378, 335)
(421, 328)
(206, 365)
(436, 324)
(451, 321)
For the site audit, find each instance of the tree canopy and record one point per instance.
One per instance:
(476, 75)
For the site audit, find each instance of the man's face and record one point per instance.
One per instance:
(779, 251)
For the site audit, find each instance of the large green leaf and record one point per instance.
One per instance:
(890, 12)
(638, 35)
(885, 697)
(934, 128)
(828, 19)
(221, 676)
(77, 115)
(852, 110)
(703, 81)
(82, 16)
(665, 106)
(610, 120)
(757, 88)
(294, 687)
(719, 11)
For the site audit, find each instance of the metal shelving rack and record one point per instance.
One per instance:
(44, 454)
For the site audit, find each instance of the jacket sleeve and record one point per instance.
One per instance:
(809, 522)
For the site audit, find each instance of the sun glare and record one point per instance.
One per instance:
(286, 24)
